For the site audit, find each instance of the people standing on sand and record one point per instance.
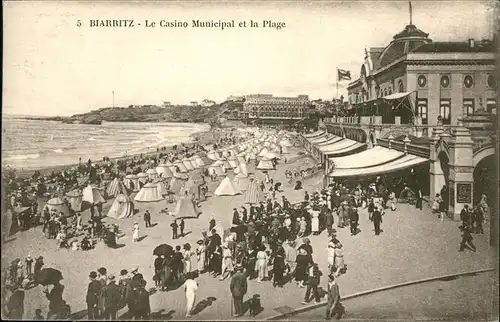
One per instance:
(181, 227)
(190, 286)
(238, 288)
(187, 258)
(227, 261)
(261, 264)
(112, 296)
(147, 219)
(174, 226)
(200, 256)
(135, 232)
(93, 295)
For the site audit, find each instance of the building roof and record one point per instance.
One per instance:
(411, 31)
(456, 47)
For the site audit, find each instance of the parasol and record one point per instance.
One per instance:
(163, 249)
(48, 276)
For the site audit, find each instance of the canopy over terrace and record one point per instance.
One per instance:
(309, 143)
(314, 134)
(338, 148)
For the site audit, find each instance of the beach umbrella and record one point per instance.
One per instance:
(163, 249)
(49, 276)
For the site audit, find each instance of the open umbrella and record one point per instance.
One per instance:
(163, 249)
(48, 276)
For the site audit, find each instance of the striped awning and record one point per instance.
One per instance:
(314, 134)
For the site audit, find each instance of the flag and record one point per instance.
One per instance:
(343, 74)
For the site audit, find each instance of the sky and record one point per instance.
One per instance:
(53, 67)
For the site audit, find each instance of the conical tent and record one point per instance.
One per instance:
(75, 199)
(148, 193)
(92, 195)
(132, 182)
(226, 165)
(161, 187)
(226, 188)
(212, 155)
(115, 188)
(164, 171)
(265, 164)
(241, 159)
(176, 184)
(121, 208)
(57, 205)
(233, 162)
(152, 174)
(241, 182)
(185, 208)
(253, 194)
(263, 152)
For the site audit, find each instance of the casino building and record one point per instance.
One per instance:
(421, 111)
(272, 109)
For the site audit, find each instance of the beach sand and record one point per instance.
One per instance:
(76, 265)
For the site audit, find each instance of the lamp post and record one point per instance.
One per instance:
(406, 142)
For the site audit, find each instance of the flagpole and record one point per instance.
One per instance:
(113, 98)
(337, 83)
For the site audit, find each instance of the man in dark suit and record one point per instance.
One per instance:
(238, 289)
(333, 306)
(377, 220)
(93, 295)
(354, 219)
(236, 217)
(112, 296)
(329, 222)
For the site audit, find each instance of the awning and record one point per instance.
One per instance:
(369, 158)
(347, 150)
(333, 139)
(405, 162)
(314, 134)
(395, 96)
(327, 137)
(320, 138)
(339, 145)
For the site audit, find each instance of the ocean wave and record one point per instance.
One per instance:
(132, 142)
(58, 151)
(92, 139)
(22, 157)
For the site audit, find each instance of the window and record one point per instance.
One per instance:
(468, 81)
(469, 106)
(445, 110)
(491, 81)
(385, 92)
(401, 87)
(445, 81)
(422, 81)
(491, 105)
(422, 109)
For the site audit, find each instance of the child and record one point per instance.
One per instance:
(38, 315)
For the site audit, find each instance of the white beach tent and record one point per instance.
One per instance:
(143, 177)
(185, 207)
(226, 188)
(131, 181)
(164, 171)
(92, 195)
(216, 168)
(115, 188)
(187, 164)
(75, 199)
(194, 164)
(182, 168)
(176, 183)
(199, 161)
(263, 152)
(57, 205)
(284, 150)
(265, 164)
(212, 155)
(122, 207)
(148, 193)
(233, 162)
(152, 174)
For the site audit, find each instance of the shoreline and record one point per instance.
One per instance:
(204, 138)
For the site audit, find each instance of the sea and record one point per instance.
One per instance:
(36, 144)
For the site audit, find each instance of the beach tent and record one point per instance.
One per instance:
(263, 152)
(115, 188)
(226, 165)
(194, 183)
(206, 160)
(265, 164)
(272, 155)
(152, 174)
(131, 182)
(148, 193)
(233, 162)
(226, 188)
(241, 159)
(122, 207)
(57, 205)
(182, 168)
(286, 143)
(92, 195)
(187, 164)
(284, 150)
(143, 178)
(241, 180)
(216, 168)
(253, 194)
(176, 183)
(75, 199)
(267, 144)
(161, 187)
(198, 161)
(251, 156)
(193, 162)
(212, 155)
(185, 207)
(164, 171)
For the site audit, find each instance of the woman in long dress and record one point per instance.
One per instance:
(227, 261)
(331, 255)
(315, 222)
(135, 234)
(339, 258)
(261, 264)
(190, 285)
(200, 256)
(187, 258)
(301, 269)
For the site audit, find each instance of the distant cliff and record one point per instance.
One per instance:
(152, 113)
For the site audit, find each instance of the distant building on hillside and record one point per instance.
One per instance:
(267, 106)
(194, 103)
(235, 98)
(167, 104)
